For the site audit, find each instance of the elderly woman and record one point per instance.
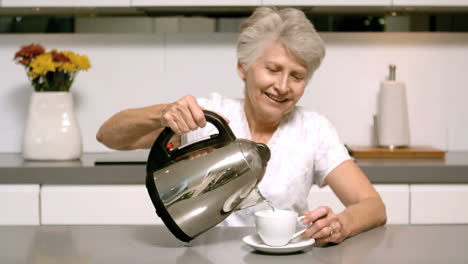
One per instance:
(278, 51)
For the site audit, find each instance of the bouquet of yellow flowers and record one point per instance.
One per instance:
(52, 71)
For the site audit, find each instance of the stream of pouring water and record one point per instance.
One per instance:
(270, 204)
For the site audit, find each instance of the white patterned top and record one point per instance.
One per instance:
(304, 149)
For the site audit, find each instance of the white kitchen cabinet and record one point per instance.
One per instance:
(68, 3)
(155, 3)
(96, 204)
(439, 203)
(395, 197)
(438, 3)
(327, 2)
(19, 204)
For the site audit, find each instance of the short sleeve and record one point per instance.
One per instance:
(331, 152)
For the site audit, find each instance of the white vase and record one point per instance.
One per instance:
(52, 131)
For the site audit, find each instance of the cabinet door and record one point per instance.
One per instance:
(65, 3)
(196, 3)
(439, 204)
(395, 197)
(97, 204)
(430, 2)
(19, 204)
(328, 2)
(143, 25)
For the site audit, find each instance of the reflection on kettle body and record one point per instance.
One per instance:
(242, 198)
(213, 180)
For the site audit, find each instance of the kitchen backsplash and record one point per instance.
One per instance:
(133, 70)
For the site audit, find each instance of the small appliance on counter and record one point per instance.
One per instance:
(392, 113)
(195, 187)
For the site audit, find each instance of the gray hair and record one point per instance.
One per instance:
(289, 26)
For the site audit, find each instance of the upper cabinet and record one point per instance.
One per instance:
(328, 2)
(228, 3)
(155, 3)
(68, 3)
(262, 2)
(433, 3)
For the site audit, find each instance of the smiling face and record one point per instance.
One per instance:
(274, 83)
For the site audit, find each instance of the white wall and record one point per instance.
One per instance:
(131, 70)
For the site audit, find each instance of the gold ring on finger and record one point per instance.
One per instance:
(331, 230)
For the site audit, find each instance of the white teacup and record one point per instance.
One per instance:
(277, 228)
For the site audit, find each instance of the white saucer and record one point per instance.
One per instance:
(256, 242)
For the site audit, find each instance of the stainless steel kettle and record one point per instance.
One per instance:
(196, 186)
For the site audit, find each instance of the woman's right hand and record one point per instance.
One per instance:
(183, 115)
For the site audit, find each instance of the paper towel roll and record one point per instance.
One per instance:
(392, 118)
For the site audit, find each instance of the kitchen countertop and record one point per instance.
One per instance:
(127, 167)
(154, 244)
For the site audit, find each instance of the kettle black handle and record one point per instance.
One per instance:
(160, 157)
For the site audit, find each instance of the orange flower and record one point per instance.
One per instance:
(27, 53)
(59, 56)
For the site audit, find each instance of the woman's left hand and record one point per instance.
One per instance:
(327, 226)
